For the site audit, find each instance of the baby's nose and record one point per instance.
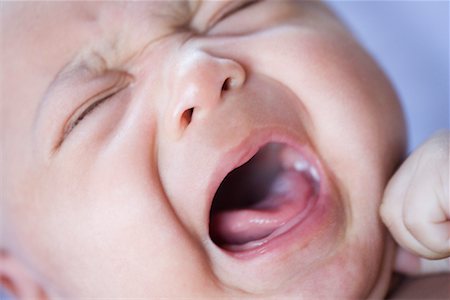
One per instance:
(200, 85)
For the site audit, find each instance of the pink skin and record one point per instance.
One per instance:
(119, 206)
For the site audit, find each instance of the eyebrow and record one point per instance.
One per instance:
(89, 64)
(87, 61)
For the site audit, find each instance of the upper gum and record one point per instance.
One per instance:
(292, 158)
(289, 157)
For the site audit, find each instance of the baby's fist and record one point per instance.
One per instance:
(416, 205)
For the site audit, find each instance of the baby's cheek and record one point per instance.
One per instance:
(101, 237)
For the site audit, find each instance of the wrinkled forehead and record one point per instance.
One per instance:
(38, 13)
(47, 28)
(37, 25)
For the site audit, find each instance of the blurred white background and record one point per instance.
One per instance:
(410, 40)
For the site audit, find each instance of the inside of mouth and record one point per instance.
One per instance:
(262, 198)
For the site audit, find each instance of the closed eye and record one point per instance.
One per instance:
(84, 113)
(94, 103)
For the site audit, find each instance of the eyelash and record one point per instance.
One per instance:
(105, 96)
(89, 110)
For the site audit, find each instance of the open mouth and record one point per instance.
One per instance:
(263, 199)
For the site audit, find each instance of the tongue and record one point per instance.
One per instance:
(288, 197)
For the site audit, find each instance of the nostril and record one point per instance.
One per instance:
(186, 117)
(227, 84)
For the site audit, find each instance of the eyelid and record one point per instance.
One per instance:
(122, 81)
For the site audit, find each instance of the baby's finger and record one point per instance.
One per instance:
(392, 209)
(392, 215)
(423, 216)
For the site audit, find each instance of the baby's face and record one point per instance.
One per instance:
(122, 120)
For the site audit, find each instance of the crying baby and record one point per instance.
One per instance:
(231, 149)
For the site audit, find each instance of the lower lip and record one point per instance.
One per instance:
(316, 217)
